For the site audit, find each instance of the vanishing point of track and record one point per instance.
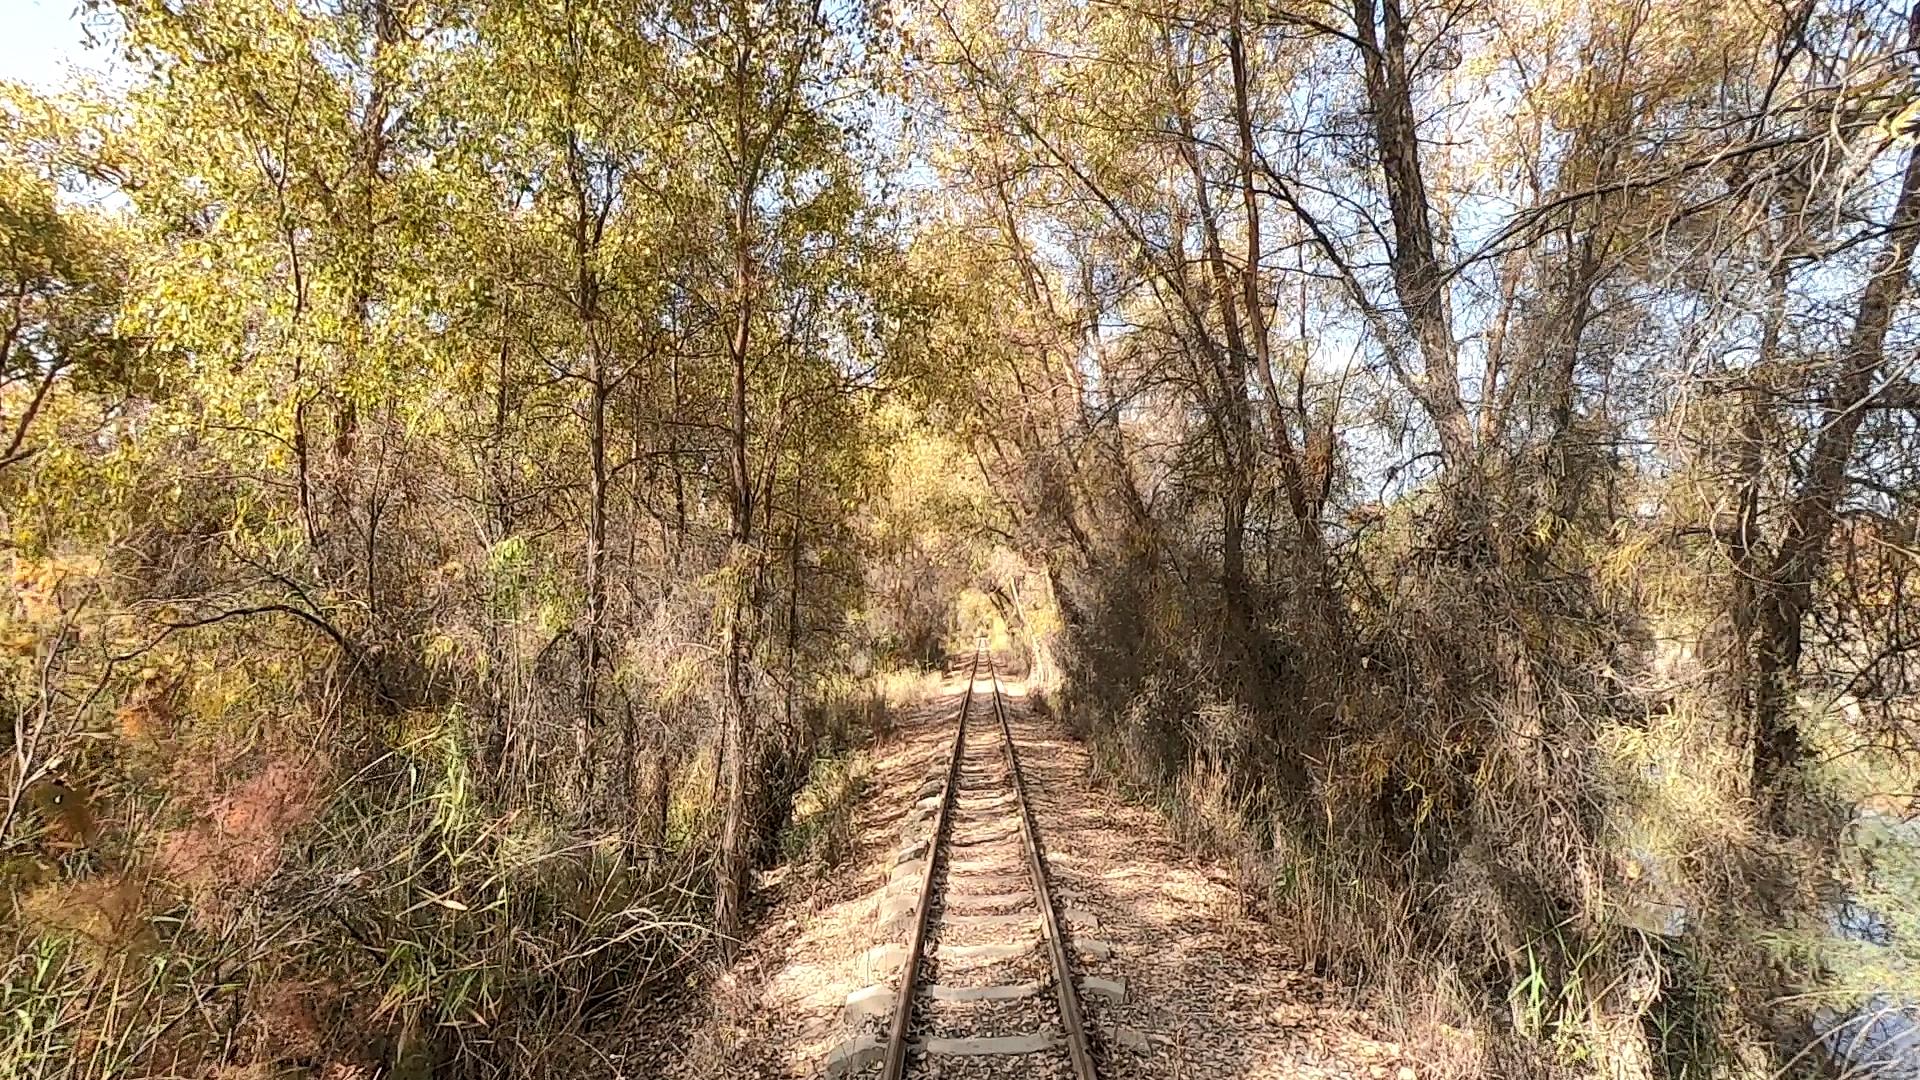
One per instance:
(993, 791)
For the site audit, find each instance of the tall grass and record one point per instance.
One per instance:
(382, 909)
(1516, 809)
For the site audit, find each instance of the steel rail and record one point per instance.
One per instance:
(1071, 1018)
(896, 1061)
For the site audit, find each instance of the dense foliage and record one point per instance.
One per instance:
(439, 434)
(464, 463)
(1472, 451)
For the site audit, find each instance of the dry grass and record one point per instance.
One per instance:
(275, 910)
(1513, 811)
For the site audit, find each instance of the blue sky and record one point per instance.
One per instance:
(41, 41)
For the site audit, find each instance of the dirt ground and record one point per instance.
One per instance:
(1209, 991)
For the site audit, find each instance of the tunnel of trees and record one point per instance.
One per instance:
(465, 462)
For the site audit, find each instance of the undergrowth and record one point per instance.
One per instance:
(1564, 873)
(819, 836)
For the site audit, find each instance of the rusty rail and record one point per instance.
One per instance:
(1072, 1019)
(896, 1060)
(1068, 994)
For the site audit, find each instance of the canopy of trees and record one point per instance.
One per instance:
(464, 461)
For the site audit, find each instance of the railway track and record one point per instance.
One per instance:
(987, 986)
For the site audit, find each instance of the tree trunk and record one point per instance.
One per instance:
(1418, 278)
(1257, 331)
(596, 579)
(1230, 412)
(740, 741)
(652, 801)
(1788, 590)
(500, 522)
(587, 223)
